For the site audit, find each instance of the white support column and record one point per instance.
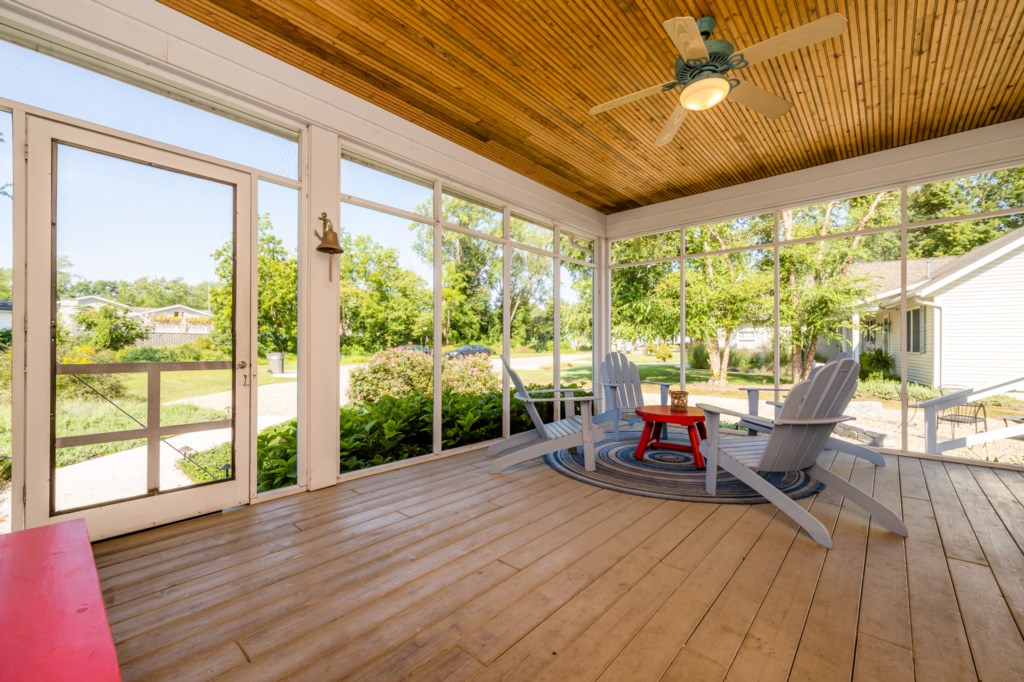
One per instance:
(856, 346)
(321, 392)
(18, 322)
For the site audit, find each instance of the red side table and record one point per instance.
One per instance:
(656, 416)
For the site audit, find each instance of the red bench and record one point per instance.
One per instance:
(53, 625)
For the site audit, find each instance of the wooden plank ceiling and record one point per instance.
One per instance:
(514, 81)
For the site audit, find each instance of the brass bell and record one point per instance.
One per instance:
(328, 243)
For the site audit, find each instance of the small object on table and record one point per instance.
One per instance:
(680, 399)
(657, 416)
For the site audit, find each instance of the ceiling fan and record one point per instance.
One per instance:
(702, 64)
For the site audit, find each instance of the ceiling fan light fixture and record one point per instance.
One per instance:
(704, 93)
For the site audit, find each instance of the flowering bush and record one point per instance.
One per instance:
(396, 373)
(405, 373)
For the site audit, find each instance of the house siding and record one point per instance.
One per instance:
(920, 366)
(983, 324)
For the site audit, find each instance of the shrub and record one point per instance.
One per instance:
(388, 430)
(402, 373)
(882, 387)
(743, 359)
(6, 338)
(87, 387)
(186, 352)
(5, 376)
(697, 357)
(662, 352)
(472, 374)
(111, 328)
(877, 362)
(395, 373)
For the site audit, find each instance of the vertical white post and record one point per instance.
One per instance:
(321, 392)
(506, 323)
(19, 316)
(855, 337)
(682, 310)
(438, 306)
(904, 237)
(931, 431)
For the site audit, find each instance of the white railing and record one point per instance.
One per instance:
(933, 406)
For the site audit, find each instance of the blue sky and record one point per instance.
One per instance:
(122, 220)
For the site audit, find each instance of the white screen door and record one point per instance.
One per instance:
(139, 343)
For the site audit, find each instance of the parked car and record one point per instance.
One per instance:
(414, 349)
(466, 351)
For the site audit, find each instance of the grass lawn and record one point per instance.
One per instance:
(178, 385)
(655, 371)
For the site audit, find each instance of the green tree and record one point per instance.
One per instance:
(382, 304)
(147, 292)
(962, 197)
(277, 300)
(724, 292)
(472, 278)
(820, 291)
(577, 311)
(111, 328)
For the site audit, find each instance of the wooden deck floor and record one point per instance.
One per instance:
(445, 572)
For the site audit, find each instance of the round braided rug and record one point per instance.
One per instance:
(668, 475)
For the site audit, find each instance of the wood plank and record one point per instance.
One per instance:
(941, 650)
(604, 542)
(912, 483)
(172, 623)
(1004, 556)
(829, 641)
(448, 666)
(770, 643)
(995, 641)
(572, 581)
(884, 639)
(650, 652)
(621, 599)
(958, 538)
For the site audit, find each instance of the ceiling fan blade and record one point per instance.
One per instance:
(685, 35)
(760, 100)
(653, 90)
(821, 29)
(671, 126)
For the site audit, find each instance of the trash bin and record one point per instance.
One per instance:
(275, 362)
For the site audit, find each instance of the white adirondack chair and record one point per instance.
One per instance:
(623, 391)
(800, 432)
(755, 424)
(573, 431)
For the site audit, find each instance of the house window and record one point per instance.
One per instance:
(915, 330)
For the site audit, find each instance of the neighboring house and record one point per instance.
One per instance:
(964, 323)
(169, 326)
(6, 313)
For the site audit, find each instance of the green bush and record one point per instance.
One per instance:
(697, 357)
(111, 328)
(402, 373)
(5, 376)
(882, 387)
(186, 352)
(662, 352)
(395, 373)
(744, 360)
(388, 430)
(88, 387)
(472, 374)
(877, 362)
(6, 338)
